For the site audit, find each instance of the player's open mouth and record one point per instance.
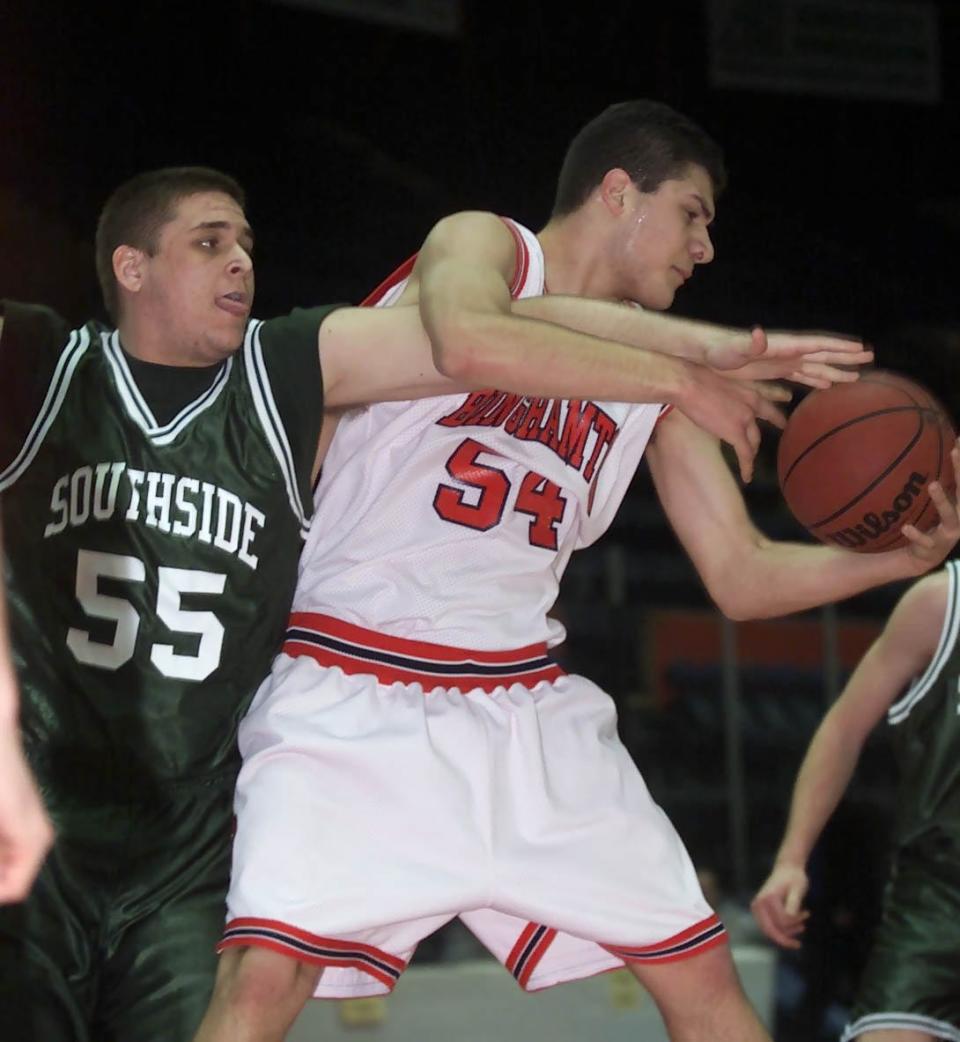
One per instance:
(236, 303)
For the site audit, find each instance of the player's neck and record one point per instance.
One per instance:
(149, 341)
(574, 261)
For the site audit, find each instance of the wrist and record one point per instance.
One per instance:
(718, 341)
(680, 383)
(791, 858)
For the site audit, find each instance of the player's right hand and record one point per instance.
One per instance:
(814, 359)
(729, 410)
(778, 905)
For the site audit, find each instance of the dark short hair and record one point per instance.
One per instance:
(137, 211)
(648, 139)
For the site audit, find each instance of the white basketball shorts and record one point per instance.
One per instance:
(390, 785)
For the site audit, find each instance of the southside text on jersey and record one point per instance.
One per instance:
(181, 506)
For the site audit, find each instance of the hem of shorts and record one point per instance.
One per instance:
(568, 974)
(659, 960)
(371, 989)
(891, 1020)
(375, 985)
(538, 981)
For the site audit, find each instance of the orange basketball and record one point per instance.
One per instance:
(855, 461)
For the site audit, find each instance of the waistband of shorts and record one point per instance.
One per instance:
(354, 649)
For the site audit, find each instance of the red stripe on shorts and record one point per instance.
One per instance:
(312, 948)
(357, 650)
(529, 949)
(708, 933)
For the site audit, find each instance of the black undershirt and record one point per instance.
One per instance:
(168, 389)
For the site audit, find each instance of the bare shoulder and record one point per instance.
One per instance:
(917, 620)
(927, 598)
(467, 222)
(470, 232)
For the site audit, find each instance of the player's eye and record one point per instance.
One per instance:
(210, 243)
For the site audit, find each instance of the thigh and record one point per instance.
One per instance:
(701, 998)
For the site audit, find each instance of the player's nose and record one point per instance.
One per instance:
(240, 261)
(702, 247)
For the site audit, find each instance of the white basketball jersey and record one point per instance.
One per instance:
(452, 519)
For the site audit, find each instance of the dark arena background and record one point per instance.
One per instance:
(354, 125)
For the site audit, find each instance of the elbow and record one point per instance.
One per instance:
(742, 587)
(465, 349)
(743, 604)
(736, 607)
(733, 610)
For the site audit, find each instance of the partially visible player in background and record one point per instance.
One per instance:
(415, 754)
(25, 830)
(910, 988)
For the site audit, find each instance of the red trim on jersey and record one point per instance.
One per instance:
(373, 298)
(520, 269)
(708, 933)
(665, 411)
(521, 264)
(355, 649)
(312, 948)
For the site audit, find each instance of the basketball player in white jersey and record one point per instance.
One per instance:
(416, 755)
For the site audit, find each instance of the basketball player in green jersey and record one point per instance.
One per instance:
(25, 832)
(156, 482)
(909, 991)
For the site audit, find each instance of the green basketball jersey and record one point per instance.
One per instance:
(151, 563)
(925, 724)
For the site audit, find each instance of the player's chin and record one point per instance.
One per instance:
(229, 335)
(222, 343)
(659, 299)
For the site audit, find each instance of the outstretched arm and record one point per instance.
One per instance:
(815, 359)
(25, 832)
(750, 576)
(463, 332)
(900, 653)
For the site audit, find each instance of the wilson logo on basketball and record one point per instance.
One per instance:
(873, 525)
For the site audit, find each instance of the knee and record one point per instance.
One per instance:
(701, 998)
(254, 979)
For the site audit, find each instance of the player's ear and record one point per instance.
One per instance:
(613, 190)
(128, 267)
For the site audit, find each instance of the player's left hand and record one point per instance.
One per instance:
(928, 549)
(25, 830)
(778, 905)
(814, 359)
